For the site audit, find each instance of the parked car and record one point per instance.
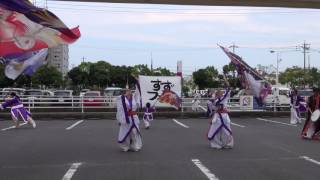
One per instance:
(279, 96)
(47, 93)
(18, 91)
(93, 98)
(111, 94)
(83, 91)
(305, 93)
(4, 93)
(38, 95)
(64, 97)
(113, 91)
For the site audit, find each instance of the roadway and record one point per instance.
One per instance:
(265, 148)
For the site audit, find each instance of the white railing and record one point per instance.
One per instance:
(99, 103)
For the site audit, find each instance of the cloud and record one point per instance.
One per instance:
(187, 26)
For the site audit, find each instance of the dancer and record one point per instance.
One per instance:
(148, 115)
(17, 110)
(196, 102)
(210, 106)
(296, 107)
(129, 133)
(311, 130)
(220, 134)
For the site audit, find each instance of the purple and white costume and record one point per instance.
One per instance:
(220, 134)
(297, 105)
(129, 133)
(17, 109)
(148, 116)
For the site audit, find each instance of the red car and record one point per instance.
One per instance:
(93, 98)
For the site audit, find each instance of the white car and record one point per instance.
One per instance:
(83, 91)
(279, 96)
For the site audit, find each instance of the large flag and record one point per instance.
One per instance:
(26, 63)
(251, 80)
(24, 27)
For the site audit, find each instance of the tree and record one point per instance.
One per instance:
(23, 81)
(141, 69)
(162, 72)
(313, 77)
(206, 78)
(100, 73)
(47, 76)
(78, 77)
(4, 81)
(293, 76)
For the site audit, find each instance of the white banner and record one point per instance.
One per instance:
(152, 87)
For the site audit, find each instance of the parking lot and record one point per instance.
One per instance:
(265, 148)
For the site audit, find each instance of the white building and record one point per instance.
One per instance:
(58, 57)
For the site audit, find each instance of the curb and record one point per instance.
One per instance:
(112, 115)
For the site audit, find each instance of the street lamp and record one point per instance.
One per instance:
(277, 69)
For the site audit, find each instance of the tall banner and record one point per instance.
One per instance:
(250, 79)
(161, 91)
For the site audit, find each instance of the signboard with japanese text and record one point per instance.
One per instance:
(161, 91)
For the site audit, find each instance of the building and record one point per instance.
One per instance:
(58, 57)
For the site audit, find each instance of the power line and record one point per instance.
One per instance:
(176, 13)
(262, 10)
(146, 50)
(233, 47)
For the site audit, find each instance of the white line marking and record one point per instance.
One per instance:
(13, 127)
(71, 171)
(242, 126)
(277, 122)
(73, 125)
(310, 160)
(181, 124)
(204, 169)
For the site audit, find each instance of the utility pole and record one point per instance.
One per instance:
(305, 47)
(151, 63)
(309, 62)
(233, 46)
(83, 58)
(277, 68)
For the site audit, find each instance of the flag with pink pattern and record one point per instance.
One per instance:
(25, 28)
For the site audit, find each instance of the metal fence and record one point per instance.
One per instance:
(108, 103)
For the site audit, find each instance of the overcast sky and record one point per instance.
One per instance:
(127, 34)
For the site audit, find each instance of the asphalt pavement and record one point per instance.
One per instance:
(265, 148)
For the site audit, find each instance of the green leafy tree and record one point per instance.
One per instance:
(293, 76)
(162, 72)
(141, 69)
(78, 78)
(4, 81)
(100, 73)
(47, 76)
(206, 78)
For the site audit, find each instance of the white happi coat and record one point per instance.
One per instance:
(220, 134)
(127, 123)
